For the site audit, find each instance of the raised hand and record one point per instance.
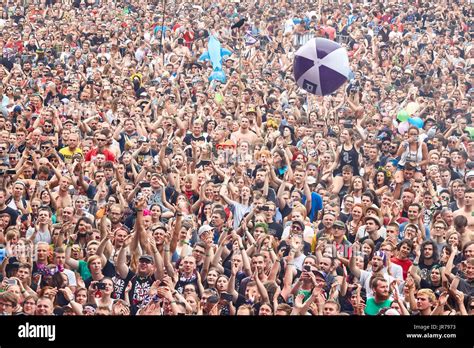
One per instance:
(68, 295)
(459, 296)
(127, 240)
(299, 304)
(443, 298)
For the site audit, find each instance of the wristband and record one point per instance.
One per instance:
(415, 264)
(172, 302)
(166, 250)
(241, 248)
(139, 210)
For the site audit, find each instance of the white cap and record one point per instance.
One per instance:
(204, 229)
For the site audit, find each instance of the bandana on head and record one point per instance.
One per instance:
(382, 255)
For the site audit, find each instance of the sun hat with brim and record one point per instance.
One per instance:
(374, 218)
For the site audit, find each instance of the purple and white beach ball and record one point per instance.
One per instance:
(321, 66)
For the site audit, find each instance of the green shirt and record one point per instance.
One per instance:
(373, 308)
(306, 293)
(84, 270)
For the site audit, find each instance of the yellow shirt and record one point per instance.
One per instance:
(68, 154)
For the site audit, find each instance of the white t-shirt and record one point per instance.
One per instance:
(71, 277)
(41, 236)
(366, 276)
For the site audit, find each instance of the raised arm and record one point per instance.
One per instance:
(261, 289)
(121, 266)
(74, 264)
(288, 277)
(352, 262)
(222, 192)
(177, 228)
(159, 265)
(139, 229)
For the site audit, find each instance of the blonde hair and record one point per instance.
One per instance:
(11, 233)
(92, 259)
(428, 293)
(300, 209)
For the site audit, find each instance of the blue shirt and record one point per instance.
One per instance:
(316, 205)
(401, 235)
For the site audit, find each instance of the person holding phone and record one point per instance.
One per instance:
(413, 150)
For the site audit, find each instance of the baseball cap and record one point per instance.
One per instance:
(470, 174)
(204, 229)
(146, 258)
(339, 223)
(319, 274)
(298, 222)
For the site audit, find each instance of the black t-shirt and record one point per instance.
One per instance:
(344, 191)
(376, 242)
(285, 211)
(182, 281)
(88, 281)
(466, 286)
(140, 288)
(121, 284)
(16, 18)
(109, 269)
(189, 138)
(426, 269)
(429, 285)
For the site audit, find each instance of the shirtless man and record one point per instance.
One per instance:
(468, 209)
(244, 133)
(62, 197)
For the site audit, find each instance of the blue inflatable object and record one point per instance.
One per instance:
(215, 54)
(416, 121)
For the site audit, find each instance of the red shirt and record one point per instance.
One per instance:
(405, 264)
(109, 156)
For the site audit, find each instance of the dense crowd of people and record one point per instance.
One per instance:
(131, 184)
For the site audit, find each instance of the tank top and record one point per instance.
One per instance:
(348, 157)
(412, 156)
